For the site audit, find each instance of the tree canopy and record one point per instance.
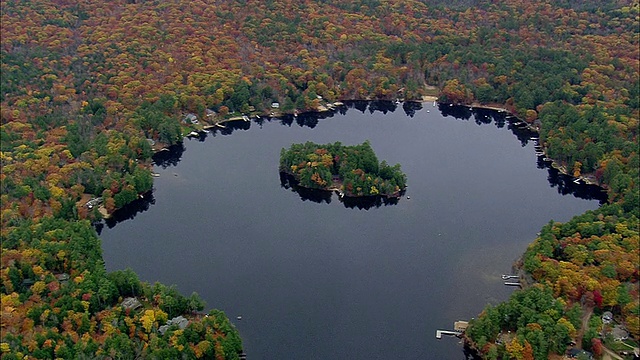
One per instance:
(353, 170)
(88, 88)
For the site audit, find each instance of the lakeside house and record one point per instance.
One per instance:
(131, 303)
(93, 202)
(180, 321)
(190, 118)
(460, 326)
(574, 353)
(619, 333)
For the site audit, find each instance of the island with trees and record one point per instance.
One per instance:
(352, 171)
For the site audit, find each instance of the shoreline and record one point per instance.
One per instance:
(341, 193)
(588, 178)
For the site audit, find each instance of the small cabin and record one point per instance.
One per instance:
(574, 353)
(131, 303)
(190, 118)
(460, 326)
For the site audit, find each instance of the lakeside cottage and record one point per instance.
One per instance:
(131, 303)
(574, 353)
(619, 333)
(190, 118)
(180, 321)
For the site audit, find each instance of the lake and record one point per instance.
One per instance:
(316, 278)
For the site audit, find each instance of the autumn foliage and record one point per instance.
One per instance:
(88, 87)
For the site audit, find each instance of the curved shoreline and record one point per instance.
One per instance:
(588, 178)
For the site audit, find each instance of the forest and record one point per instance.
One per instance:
(90, 90)
(352, 170)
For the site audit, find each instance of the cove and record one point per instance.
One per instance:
(316, 278)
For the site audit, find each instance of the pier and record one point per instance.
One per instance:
(459, 328)
(507, 277)
(439, 333)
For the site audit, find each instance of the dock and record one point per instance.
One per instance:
(459, 328)
(507, 277)
(439, 333)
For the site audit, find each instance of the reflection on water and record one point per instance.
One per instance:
(169, 156)
(128, 212)
(318, 196)
(322, 196)
(565, 184)
(410, 107)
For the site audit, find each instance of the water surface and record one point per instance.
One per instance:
(320, 280)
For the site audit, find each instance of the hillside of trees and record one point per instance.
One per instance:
(88, 87)
(352, 170)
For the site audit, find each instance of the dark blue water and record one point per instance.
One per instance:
(315, 278)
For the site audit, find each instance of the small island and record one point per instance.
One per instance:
(352, 171)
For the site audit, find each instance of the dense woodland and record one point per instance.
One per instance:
(352, 170)
(87, 86)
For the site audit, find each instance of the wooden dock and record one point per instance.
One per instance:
(459, 328)
(439, 333)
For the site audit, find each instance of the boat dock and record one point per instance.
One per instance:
(439, 333)
(459, 328)
(507, 277)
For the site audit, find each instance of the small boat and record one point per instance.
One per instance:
(239, 317)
